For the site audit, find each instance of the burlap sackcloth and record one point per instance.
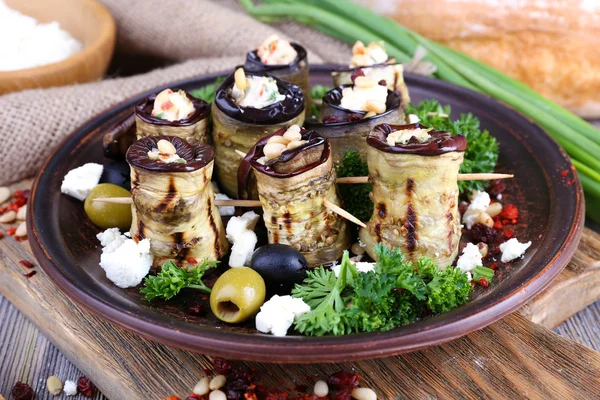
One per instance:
(202, 36)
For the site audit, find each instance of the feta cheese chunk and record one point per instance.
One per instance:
(469, 259)
(405, 135)
(224, 210)
(260, 92)
(364, 56)
(512, 249)
(172, 106)
(240, 233)
(70, 388)
(124, 261)
(276, 51)
(479, 204)
(360, 266)
(80, 181)
(413, 118)
(278, 314)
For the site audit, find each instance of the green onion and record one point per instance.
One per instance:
(483, 272)
(349, 22)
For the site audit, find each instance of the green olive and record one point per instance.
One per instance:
(108, 215)
(237, 295)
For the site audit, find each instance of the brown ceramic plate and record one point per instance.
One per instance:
(551, 205)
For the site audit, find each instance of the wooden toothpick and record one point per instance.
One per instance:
(233, 202)
(461, 177)
(343, 213)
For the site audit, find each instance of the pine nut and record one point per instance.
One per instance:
(364, 82)
(21, 230)
(484, 218)
(278, 139)
(8, 217)
(376, 106)
(240, 79)
(201, 387)
(494, 209)
(165, 147)
(357, 249)
(295, 143)
(321, 389)
(358, 60)
(483, 249)
(369, 114)
(22, 213)
(293, 133)
(54, 385)
(358, 48)
(217, 382)
(217, 395)
(274, 150)
(364, 394)
(5, 194)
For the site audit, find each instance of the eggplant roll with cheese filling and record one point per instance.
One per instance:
(372, 61)
(414, 171)
(295, 174)
(349, 113)
(172, 113)
(287, 61)
(247, 107)
(173, 200)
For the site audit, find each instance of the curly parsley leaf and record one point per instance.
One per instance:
(482, 151)
(355, 196)
(207, 92)
(171, 279)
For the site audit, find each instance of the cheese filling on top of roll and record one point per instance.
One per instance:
(405, 136)
(172, 106)
(364, 98)
(165, 152)
(260, 92)
(276, 51)
(364, 56)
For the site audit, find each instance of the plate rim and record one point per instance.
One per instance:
(294, 349)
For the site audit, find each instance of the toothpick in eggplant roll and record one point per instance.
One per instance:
(295, 174)
(173, 200)
(171, 113)
(373, 61)
(287, 61)
(247, 107)
(414, 171)
(349, 113)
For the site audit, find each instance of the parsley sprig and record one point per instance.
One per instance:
(356, 197)
(396, 293)
(171, 279)
(207, 92)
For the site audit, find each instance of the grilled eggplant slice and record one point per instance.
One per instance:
(194, 129)
(415, 193)
(173, 203)
(239, 128)
(295, 72)
(292, 189)
(348, 129)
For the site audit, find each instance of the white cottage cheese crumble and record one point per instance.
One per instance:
(240, 233)
(70, 388)
(480, 203)
(360, 266)
(469, 259)
(80, 181)
(512, 249)
(278, 314)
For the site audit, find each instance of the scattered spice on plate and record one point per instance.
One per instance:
(85, 387)
(22, 391)
(26, 264)
(29, 274)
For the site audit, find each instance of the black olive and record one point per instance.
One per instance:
(281, 266)
(117, 173)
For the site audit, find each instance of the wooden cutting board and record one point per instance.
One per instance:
(513, 358)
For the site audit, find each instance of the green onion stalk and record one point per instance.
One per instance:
(350, 22)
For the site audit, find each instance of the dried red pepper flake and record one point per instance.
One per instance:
(22, 391)
(171, 398)
(192, 260)
(13, 207)
(26, 264)
(1, 235)
(207, 371)
(29, 274)
(195, 396)
(497, 223)
(508, 233)
(564, 173)
(85, 387)
(250, 396)
(494, 266)
(343, 379)
(11, 231)
(222, 366)
(509, 212)
(344, 394)
(483, 282)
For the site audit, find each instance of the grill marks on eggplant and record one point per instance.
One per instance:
(213, 227)
(410, 224)
(171, 194)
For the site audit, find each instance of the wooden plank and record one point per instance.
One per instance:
(512, 358)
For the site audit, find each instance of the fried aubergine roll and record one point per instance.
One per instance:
(414, 171)
(172, 113)
(173, 200)
(246, 108)
(349, 113)
(295, 174)
(372, 61)
(287, 61)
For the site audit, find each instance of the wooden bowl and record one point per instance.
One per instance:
(89, 22)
